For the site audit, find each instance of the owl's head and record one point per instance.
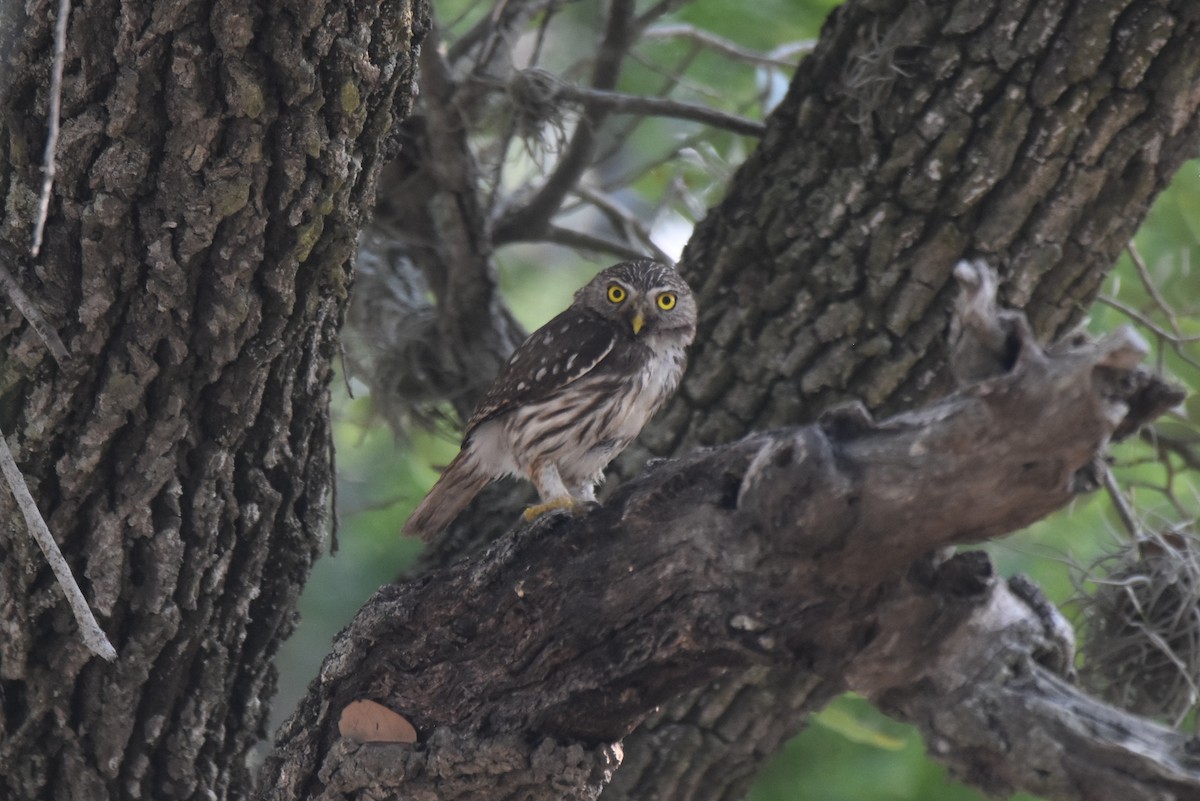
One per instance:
(644, 298)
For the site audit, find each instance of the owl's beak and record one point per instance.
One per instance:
(638, 321)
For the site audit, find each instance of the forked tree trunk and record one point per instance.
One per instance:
(214, 166)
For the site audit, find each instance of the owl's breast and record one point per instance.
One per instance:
(586, 424)
(660, 376)
(632, 405)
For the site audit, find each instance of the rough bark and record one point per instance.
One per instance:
(1037, 133)
(1034, 134)
(798, 549)
(215, 163)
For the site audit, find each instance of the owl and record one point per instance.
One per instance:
(573, 395)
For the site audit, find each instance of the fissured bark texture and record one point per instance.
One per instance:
(214, 164)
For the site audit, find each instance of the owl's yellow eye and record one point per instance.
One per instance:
(616, 293)
(666, 301)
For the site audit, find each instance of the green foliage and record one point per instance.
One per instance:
(761, 25)
(378, 486)
(1162, 300)
(535, 291)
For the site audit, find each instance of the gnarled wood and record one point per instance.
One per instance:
(783, 549)
(973, 673)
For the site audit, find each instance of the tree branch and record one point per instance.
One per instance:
(525, 222)
(780, 549)
(622, 103)
(568, 237)
(835, 241)
(430, 232)
(213, 172)
(726, 47)
(624, 220)
(994, 712)
(49, 158)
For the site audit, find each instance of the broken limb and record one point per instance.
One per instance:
(978, 668)
(521, 669)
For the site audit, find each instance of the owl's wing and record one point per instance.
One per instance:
(561, 351)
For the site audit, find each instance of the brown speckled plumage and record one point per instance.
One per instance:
(574, 394)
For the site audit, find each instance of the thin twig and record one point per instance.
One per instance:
(1151, 289)
(627, 177)
(539, 41)
(483, 27)
(510, 131)
(506, 15)
(534, 217)
(493, 34)
(577, 239)
(723, 46)
(55, 102)
(335, 521)
(792, 52)
(1121, 504)
(623, 220)
(620, 137)
(488, 46)
(1146, 321)
(1165, 491)
(622, 103)
(671, 79)
(656, 11)
(676, 77)
(1175, 338)
(22, 303)
(1188, 452)
(93, 636)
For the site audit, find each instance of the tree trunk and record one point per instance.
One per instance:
(1033, 134)
(214, 165)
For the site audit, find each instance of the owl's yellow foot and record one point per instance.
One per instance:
(565, 502)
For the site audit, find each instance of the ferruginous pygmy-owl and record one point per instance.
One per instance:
(573, 395)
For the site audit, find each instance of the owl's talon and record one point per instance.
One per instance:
(534, 512)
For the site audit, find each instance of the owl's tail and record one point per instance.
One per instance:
(461, 481)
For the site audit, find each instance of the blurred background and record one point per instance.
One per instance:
(669, 171)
